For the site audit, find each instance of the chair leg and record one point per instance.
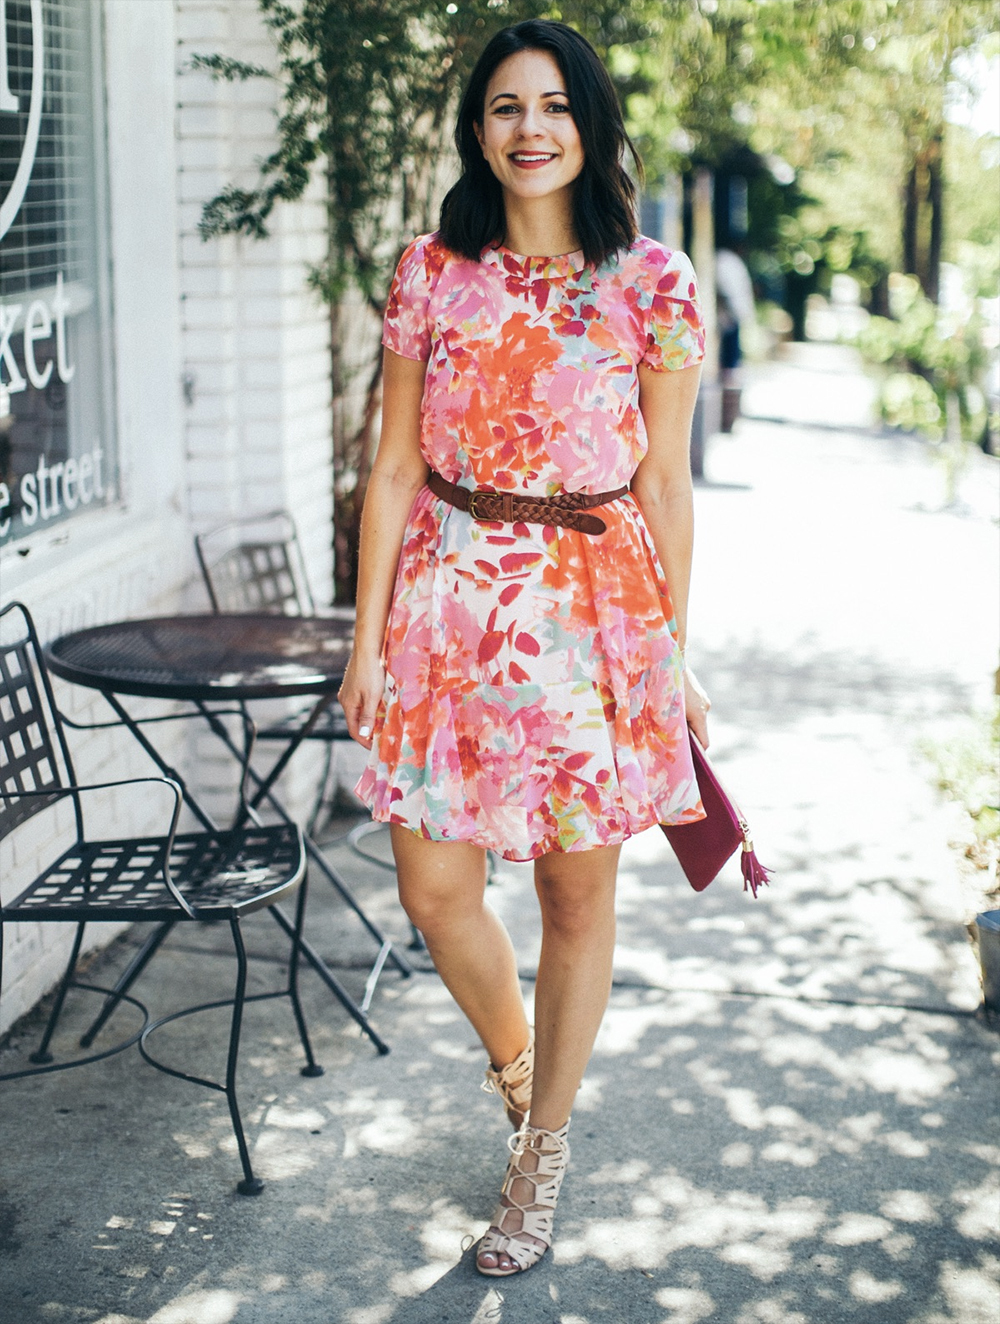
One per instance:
(41, 1053)
(312, 1067)
(250, 1185)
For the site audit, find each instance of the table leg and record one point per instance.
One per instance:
(264, 790)
(164, 767)
(265, 784)
(315, 854)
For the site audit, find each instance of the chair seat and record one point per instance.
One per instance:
(220, 875)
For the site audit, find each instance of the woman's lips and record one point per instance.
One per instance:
(531, 162)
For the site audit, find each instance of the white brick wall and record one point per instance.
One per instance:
(255, 339)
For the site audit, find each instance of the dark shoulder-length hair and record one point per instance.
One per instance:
(472, 214)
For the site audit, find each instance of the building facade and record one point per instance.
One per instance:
(152, 384)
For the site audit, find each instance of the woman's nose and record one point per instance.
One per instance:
(531, 123)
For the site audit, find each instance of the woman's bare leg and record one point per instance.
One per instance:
(577, 896)
(442, 887)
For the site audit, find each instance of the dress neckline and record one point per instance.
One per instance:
(537, 268)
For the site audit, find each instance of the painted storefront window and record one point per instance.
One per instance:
(57, 449)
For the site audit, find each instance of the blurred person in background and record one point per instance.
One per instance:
(737, 316)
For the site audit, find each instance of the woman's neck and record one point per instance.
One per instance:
(540, 227)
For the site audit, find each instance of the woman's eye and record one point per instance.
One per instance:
(508, 108)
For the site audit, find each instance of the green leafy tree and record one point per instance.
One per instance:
(871, 144)
(946, 353)
(771, 76)
(846, 91)
(971, 190)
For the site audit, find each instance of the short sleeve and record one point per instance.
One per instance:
(676, 337)
(406, 328)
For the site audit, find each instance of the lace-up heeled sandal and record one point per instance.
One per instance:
(513, 1083)
(521, 1228)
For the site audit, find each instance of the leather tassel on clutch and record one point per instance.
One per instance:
(754, 873)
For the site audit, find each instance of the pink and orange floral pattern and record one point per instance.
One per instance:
(533, 696)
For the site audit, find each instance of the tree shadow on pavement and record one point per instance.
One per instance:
(767, 1159)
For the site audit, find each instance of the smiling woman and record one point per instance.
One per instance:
(555, 98)
(530, 140)
(518, 671)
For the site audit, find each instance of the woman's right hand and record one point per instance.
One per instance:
(360, 696)
(696, 705)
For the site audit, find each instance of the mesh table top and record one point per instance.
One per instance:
(208, 657)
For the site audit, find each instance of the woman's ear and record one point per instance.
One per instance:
(477, 129)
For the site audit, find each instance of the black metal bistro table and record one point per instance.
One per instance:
(203, 660)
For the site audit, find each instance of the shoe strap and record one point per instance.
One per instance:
(551, 1150)
(513, 1082)
(556, 1143)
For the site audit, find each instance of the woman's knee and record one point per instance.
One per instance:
(577, 892)
(429, 908)
(576, 919)
(439, 882)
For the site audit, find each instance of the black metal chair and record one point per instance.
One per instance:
(173, 878)
(255, 563)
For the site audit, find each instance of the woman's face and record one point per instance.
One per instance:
(528, 134)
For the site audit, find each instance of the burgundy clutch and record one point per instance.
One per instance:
(703, 847)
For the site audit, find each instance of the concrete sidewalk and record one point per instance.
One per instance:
(790, 1117)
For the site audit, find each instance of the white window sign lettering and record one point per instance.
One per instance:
(8, 101)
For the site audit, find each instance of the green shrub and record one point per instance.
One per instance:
(908, 401)
(934, 357)
(968, 771)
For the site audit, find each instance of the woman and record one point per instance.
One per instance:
(518, 667)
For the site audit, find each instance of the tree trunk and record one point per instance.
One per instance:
(345, 549)
(879, 303)
(344, 554)
(923, 217)
(935, 199)
(911, 213)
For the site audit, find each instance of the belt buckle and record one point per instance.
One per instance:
(473, 496)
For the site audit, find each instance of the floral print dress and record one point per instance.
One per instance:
(533, 697)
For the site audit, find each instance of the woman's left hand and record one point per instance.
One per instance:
(696, 705)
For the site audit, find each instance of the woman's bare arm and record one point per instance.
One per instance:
(398, 473)
(662, 487)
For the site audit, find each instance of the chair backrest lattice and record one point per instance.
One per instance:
(255, 564)
(34, 755)
(256, 576)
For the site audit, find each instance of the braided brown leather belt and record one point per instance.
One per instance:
(565, 508)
